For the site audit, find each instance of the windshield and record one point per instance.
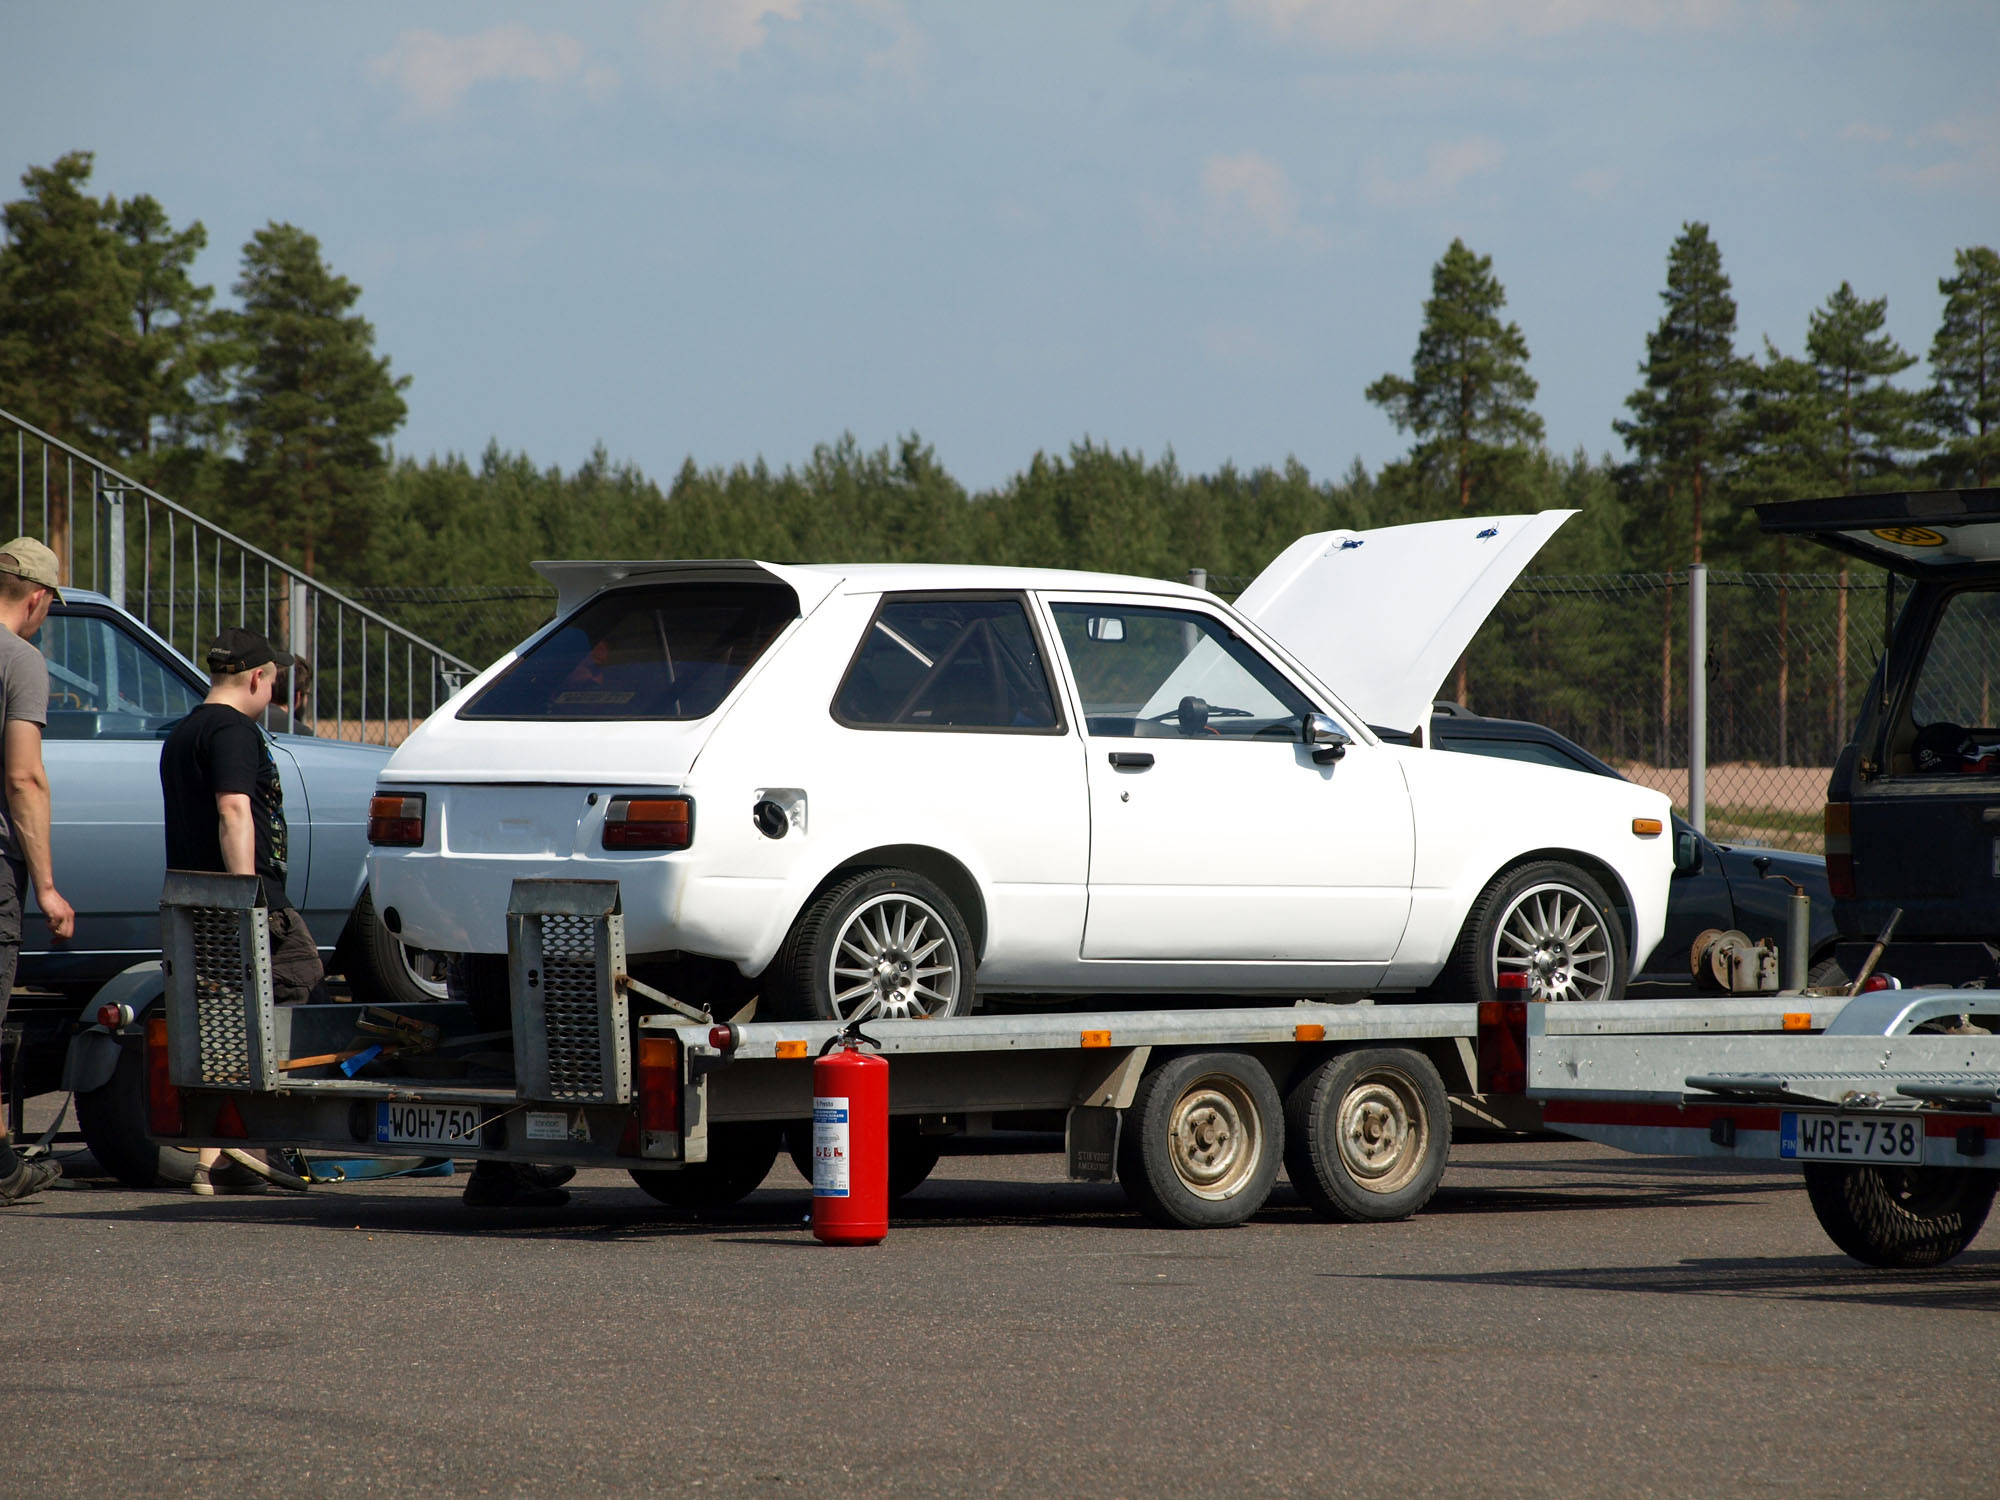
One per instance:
(672, 651)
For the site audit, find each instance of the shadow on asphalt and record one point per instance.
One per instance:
(1970, 1282)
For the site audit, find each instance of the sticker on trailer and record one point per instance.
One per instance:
(553, 1125)
(830, 1148)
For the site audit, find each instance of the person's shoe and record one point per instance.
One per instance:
(225, 1177)
(501, 1184)
(31, 1176)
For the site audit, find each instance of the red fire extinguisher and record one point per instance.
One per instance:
(850, 1142)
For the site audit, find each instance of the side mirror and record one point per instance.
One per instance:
(1328, 740)
(1687, 852)
(1104, 628)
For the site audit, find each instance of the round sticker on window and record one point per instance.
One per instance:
(1910, 536)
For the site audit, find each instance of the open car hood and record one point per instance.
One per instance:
(1918, 533)
(1380, 616)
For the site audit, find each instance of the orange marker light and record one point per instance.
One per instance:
(1308, 1031)
(1648, 828)
(1097, 1039)
(791, 1049)
(1798, 1020)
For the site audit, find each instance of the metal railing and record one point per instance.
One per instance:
(370, 679)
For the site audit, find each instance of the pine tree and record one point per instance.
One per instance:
(1468, 393)
(1681, 434)
(168, 385)
(313, 405)
(1964, 406)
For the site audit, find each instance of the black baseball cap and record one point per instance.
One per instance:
(238, 650)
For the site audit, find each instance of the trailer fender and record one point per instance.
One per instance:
(94, 1050)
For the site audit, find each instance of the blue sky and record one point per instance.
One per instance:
(732, 228)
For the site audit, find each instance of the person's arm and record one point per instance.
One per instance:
(28, 812)
(238, 835)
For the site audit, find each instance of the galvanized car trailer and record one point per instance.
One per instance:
(1888, 1101)
(1192, 1110)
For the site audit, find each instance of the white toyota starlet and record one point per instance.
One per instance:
(879, 790)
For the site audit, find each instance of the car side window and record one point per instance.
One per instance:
(1147, 673)
(949, 662)
(105, 683)
(1955, 684)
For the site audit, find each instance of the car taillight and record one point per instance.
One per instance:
(659, 1079)
(396, 821)
(1840, 849)
(163, 1100)
(649, 823)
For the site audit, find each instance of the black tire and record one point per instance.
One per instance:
(1827, 974)
(1367, 1133)
(926, 969)
(113, 1121)
(380, 970)
(740, 1157)
(1900, 1217)
(1558, 968)
(1202, 1141)
(912, 1154)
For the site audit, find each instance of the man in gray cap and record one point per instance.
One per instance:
(28, 586)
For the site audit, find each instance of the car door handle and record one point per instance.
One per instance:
(1131, 760)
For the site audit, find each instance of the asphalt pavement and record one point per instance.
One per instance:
(1562, 1321)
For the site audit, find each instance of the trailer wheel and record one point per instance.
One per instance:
(1550, 921)
(1202, 1141)
(1900, 1216)
(912, 1154)
(881, 944)
(1367, 1133)
(112, 1119)
(739, 1159)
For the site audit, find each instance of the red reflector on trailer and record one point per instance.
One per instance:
(649, 823)
(112, 1017)
(229, 1122)
(396, 822)
(659, 1080)
(1876, 982)
(1503, 1046)
(163, 1100)
(1513, 979)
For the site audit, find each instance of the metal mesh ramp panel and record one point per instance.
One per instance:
(570, 1009)
(222, 1028)
(215, 941)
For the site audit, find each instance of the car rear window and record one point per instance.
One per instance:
(671, 651)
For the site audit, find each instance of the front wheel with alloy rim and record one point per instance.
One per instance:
(1202, 1141)
(1548, 922)
(880, 944)
(1367, 1133)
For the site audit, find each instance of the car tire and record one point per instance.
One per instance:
(923, 963)
(740, 1157)
(1827, 974)
(112, 1119)
(1550, 920)
(1900, 1217)
(1367, 1133)
(380, 969)
(1202, 1141)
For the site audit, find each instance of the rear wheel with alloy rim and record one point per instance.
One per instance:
(881, 944)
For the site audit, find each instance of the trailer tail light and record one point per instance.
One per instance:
(1840, 850)
(649, 823)
(659, 1080)
(396, 822)
(163, 1100)
(229, 1122)
(1503, 1046)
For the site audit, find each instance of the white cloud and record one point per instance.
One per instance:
(1250, 188)
(1362, 25)
(435, 72)
(1446, 165)
(1964, 153)
(686, 35)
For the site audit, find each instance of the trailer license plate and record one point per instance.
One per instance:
(1850, 1138)
(427, 1124)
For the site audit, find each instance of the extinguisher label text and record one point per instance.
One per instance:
(830, 1148)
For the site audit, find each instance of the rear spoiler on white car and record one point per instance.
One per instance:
(576, 581)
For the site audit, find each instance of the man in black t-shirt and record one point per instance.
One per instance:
(225, 806)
